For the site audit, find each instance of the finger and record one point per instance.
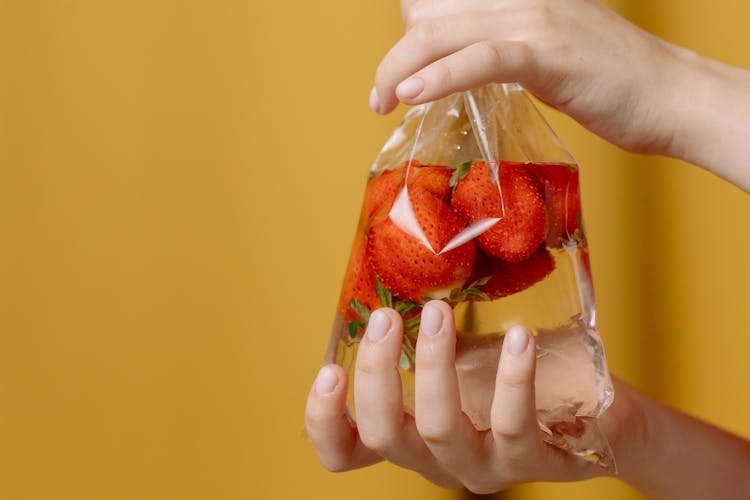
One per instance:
(378, 395)
(513, 414)
(378, 398)
(423, 44)
(476, 65)
(448, 432)
(334, 437)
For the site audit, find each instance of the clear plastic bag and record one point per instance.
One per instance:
(475, 201)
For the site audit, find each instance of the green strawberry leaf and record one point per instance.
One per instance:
(480, 282)
(476, 293)
(384, 295)
(354, 327)
(406, 308)
(412, 324)
(361, 310)
(459, 172)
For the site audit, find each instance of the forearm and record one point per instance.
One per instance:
(672, 455)
(712, 106)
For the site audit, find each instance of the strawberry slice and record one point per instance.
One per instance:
(561, 191)
(497, 278)
(406, 266)
(523, 226)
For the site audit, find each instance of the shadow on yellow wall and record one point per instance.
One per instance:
(179, 183)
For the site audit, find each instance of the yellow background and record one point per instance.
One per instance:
(179, 183)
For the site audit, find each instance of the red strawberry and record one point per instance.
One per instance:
(380, 192)
(433, 178)
(406, 266)
(382, 189)
(523, 227)
(359, 281)
(560, 187)
(507, 278)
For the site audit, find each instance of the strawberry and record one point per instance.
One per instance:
(507, 278)
(382, 189)
(433, 178)
(560, 187)
(359, 282)
(523, 227)
(406, 266)
(380, 192)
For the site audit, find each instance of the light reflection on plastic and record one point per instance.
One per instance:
(402, 214)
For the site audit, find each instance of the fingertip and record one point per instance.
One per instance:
(436, 318)
(388, 106)
(326, 381)
(383, 100)
(443, 305)
(395, 317)
(327, 398)
(517, 340)
(374, 100)
(432, 319)
(380, 103)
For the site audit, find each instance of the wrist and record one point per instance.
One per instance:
(628, 429)
(690, 102)
(710, 103)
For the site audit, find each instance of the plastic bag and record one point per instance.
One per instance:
(474, 200)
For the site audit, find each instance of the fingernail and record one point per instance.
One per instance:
(410, 88)
(517, 339)
(374, 100)
(378, 326)
(326, 381)
(432, 320)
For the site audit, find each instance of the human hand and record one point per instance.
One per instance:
(439, 441)
(659, 451)
(575, 55)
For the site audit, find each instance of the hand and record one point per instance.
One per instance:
(439, 442)
(659, 451)
(576, 55)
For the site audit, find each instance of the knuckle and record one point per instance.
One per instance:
(443, 73)
(378, 442)
(513, 382)
(542, 14)
(436, 433)
(507, 433)
(372, 360)
(319, 415)
(492, 53)
(315, 418)
(427, 33)
(367, 365)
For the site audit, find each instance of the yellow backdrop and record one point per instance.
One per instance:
(179, 183)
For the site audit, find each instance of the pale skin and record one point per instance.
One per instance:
(638, 92)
